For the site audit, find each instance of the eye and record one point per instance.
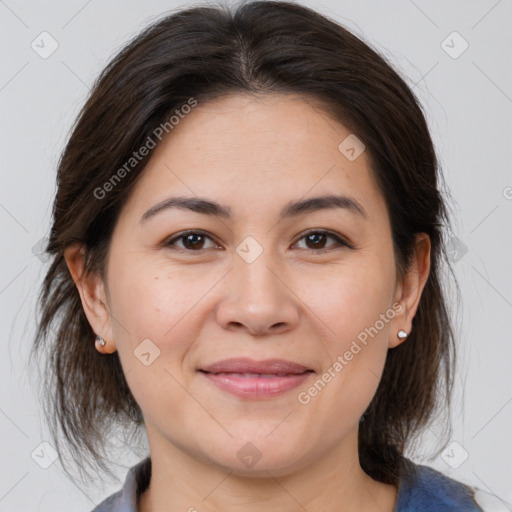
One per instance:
(316, 241)
(191, 241)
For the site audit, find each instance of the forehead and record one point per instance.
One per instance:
(260, 151)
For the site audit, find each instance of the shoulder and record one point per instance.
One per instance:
(110, 504)
(424, 489)
(125, 500)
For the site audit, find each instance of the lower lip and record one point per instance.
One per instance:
(256, 387)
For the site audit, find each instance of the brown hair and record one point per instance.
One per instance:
(204, 53)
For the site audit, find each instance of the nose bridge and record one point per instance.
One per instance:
(258, 299)
(256, 283)
(256, 279)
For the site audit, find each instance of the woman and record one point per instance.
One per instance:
(248, 222)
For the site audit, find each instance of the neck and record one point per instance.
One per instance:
(335, 481)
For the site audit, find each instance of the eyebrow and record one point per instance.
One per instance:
(292, 209)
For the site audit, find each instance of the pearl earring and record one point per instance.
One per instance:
(101, 341)
(402, 334)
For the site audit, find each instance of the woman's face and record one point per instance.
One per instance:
(272, 272)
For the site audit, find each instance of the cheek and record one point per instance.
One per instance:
(137, 298)
(154, 328)
(147, 298)
(349, 300)
(159, 303)
(358, 310)
(356, 317)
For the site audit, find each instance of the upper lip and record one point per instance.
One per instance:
(247, 365)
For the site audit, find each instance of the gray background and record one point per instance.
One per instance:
(467, 97)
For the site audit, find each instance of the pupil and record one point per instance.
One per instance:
(316, 238)
(192, 240)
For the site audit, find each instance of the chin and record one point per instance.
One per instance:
(260, 459)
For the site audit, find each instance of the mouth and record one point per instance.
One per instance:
(257, 375)
(246, 365)
(247, 378)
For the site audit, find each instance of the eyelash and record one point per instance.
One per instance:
(339, 241)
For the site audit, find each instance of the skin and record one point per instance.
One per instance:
(201, 305)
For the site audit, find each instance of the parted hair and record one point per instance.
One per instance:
(206, 52)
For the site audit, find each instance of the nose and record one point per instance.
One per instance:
(257, 299)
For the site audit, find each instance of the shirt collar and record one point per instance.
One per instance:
(136, 482)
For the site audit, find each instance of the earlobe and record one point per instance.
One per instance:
(409, 291)
(103, 346)
(92, 295)
(397, 338)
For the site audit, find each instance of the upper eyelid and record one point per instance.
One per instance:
(187, 232)
(326, 232)
(341, 239)
(322, 231)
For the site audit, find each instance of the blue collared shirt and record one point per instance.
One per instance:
(427, 491)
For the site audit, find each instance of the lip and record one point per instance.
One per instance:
(247, 365)
(247, 378)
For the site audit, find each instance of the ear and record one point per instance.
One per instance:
(409, 290)
(92, 294)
